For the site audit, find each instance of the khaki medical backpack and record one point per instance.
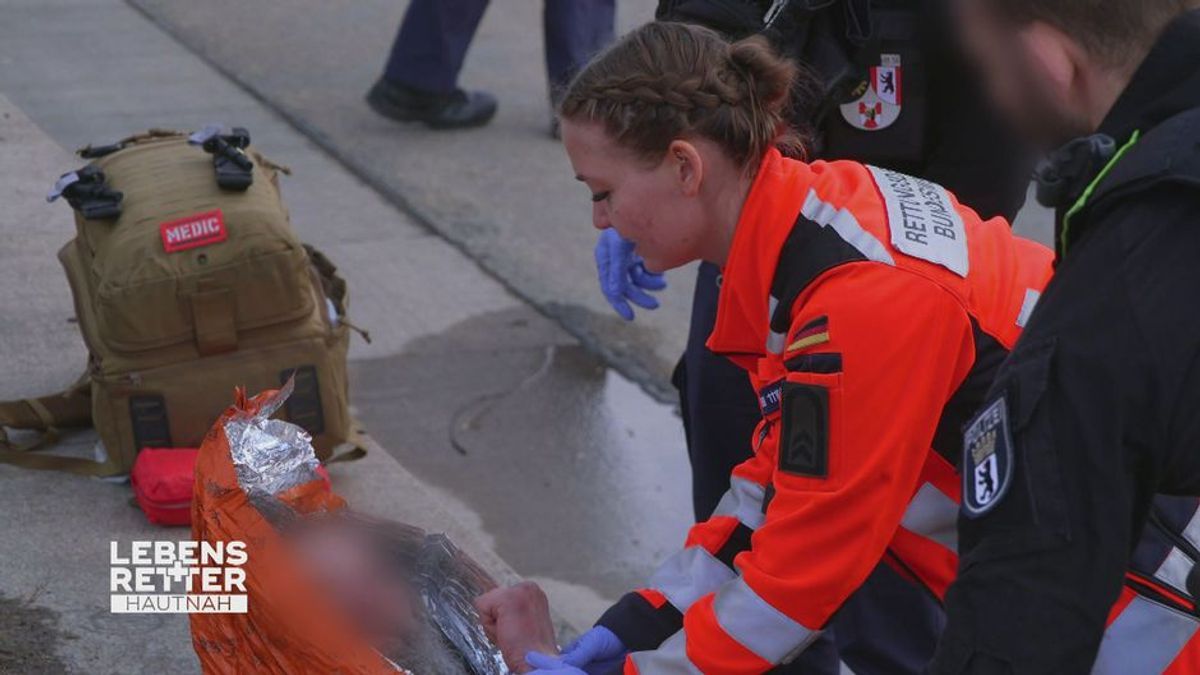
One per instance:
(188, 281)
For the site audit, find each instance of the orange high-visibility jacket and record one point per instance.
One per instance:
(871, 311)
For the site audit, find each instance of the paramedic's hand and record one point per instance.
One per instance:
(517, 620)
(623, 275)
(597, 651)
(550, 665)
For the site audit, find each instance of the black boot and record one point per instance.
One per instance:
(455, 110)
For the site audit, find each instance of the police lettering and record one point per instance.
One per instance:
(981, 437)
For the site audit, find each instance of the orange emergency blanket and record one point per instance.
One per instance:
(288, 628)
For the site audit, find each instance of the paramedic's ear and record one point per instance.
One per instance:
(684, 162)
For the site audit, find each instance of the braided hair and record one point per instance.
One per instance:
(666, 81)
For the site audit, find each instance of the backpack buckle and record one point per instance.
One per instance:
(88, 193)
(233, 168)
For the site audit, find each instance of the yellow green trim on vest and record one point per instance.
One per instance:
(1091, 188)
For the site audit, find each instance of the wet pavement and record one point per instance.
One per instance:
(504, 193)
(575, 471)
(492, 422)
(497, 419)
(29, 636)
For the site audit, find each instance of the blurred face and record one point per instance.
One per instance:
(656, 207)
(1031, 73)
(357, 579)
(371, 591)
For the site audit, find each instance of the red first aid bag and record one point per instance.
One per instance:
(162, 480)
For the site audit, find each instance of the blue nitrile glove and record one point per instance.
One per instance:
(623, 275)
(597, 651)
(544, 664)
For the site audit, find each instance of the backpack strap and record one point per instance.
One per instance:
(334, 287)
(65, 410)
(215, 321)
(93, 151)
(68, 409)
(22, 457)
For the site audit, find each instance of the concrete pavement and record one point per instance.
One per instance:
(493, 423)
(504, 193)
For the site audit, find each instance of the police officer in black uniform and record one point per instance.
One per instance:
(1098, 406)
(897, 94)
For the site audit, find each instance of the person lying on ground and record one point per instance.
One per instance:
(377, 574)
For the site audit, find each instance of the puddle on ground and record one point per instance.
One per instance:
(29, 637)
(575, 471)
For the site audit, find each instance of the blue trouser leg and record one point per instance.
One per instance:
(432, 43)
(575, 30)
(718, 405)
(890, 625)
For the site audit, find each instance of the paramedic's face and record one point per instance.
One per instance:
(358, 581)
(1024, 73)
(644, 204)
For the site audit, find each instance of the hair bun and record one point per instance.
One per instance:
(665, 81)
(768, 75)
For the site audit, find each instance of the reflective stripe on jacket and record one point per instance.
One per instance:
(1153, 627)
(881, 340)
(870, 310)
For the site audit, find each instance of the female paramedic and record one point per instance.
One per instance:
(870, 310)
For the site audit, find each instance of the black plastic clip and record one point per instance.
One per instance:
(233, 168)
(1060, 177)
(87, 193)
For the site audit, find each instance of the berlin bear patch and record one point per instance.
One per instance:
(987, 466)
(804, 440)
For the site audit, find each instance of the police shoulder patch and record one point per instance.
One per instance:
(987, 466)
(804, 437)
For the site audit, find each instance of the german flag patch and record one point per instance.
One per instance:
(813, 333)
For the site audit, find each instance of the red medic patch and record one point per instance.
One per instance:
(193, 231)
